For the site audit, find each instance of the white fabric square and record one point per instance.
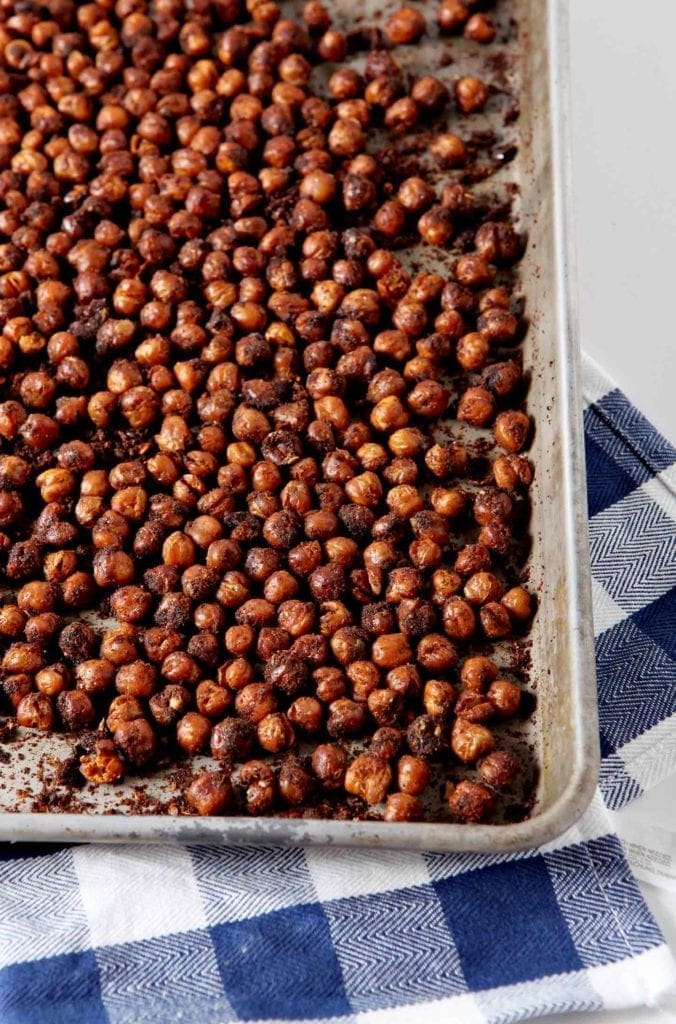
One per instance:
(651, 757)
(606, 613)
(561, 993)
(259, 881)
(650, 975)
(632, 554)
(137, 892)
(41, 912)
(662, 490)
(454, 1010)
(339, 873)
(595, 384)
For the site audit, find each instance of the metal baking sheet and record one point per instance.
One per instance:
(561, 733)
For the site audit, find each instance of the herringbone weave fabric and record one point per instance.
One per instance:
(202, 935)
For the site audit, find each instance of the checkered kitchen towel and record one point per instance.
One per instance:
(204, 935)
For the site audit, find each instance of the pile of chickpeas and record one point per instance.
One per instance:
(222, 394)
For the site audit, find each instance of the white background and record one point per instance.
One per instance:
(624, 178)
(624, 162)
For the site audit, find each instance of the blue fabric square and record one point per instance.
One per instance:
(600, 902)
(658, 620)
(24, 851)
(281, 965)
(606, 481)
(506, 924)
(617, 787)
(636, 436)
(59, 990)
(636, 683)
(173, 979)
(601, 431)
(394, 948)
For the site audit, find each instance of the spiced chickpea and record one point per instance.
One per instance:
(470, 801)
(136, 740)
(512, 471)
(495, 620)
(210, 793)
(452, 15)
(499, 768)
(518, 603)
(402, 807)
(104, 765)
(413, 774)
(505, 697)
(480, 28)
(275, 733)
(472, 351)
(429, 93)
(405, 25)
(368, 777)
(471, 94)
(476, 407)
(35, 711)
(192, 732)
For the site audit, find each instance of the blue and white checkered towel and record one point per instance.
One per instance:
(205, 935)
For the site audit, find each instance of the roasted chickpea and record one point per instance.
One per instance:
(406, 25)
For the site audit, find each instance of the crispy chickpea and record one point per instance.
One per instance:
(307, 714)
(368, 777)
(470, 741)
(518, 603)
(413, 774)
(329, 763)
(477, 672)
(193, 732)
(136, 740)
(259, 779)
(495, 620)
(480, 28)
(476, 407)
(472, 351)
(402, 807)
(483, 587)
(295, 784)
(104, 765)
(405, 25)
(512, 472)
(471, 94)
(499, 768)
(511, 430)
(210, 793)
(505, 697)
(452, 15)
(275, 733)
(391, 650)
(449, 150)
(346, 718)
(254, 701)
(471, 801)
(35, 711)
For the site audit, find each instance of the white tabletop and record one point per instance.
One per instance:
(624, 155)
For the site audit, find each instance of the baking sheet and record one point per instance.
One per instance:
(529, 120)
